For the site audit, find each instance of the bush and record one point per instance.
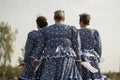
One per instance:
(11, 73)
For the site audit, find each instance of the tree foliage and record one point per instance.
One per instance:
(7, 38)
(20, 58)
(12, 73)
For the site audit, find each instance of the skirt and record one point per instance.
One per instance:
(59, 69)
(28, 72)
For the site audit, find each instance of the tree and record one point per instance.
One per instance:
(20, 59)
(12, 72)
(7, 38)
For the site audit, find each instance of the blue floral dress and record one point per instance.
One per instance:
(59, 50)
(31, 43)
(90, 44)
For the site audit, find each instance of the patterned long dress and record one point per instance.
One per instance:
(90, 44)
(60, 50)
(31, 43)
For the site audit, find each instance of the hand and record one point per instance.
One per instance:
(35, 62)
(22, 64)
(78, 63)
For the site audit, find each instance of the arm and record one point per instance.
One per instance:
(29, 46)
(97, 44)
(76, 43)
(38, 50)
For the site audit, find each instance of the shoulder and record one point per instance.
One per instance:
(32, 33)
(73, 28)
(95, 31)
(66, 25)
(92, 30)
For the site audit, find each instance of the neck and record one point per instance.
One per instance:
(59, 22)
(83, 26)
(38, 28)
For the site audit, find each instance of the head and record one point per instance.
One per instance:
(84, 20)
(41, 22)
(59, 16)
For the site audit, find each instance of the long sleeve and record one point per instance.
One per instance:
(29, 46)
(76, 43)
(97, 45)
(38, 50)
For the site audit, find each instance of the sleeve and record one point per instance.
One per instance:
(29, 46)
(38, 50)
(76, 43)
(97, 45)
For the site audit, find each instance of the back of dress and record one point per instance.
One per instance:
(90, 40)
(59, 36)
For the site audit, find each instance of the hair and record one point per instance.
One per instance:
(59, 14)
(41, 22)
(85, 18)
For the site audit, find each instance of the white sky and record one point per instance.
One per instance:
(105, 14)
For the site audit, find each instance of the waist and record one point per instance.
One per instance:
(58, 56)
(89, 53)
(56, 45)
(59, 51)
(83, 50)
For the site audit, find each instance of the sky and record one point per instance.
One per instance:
(105, 15)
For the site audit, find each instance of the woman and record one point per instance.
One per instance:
(60, 51)
(90, 49)
(28, 72)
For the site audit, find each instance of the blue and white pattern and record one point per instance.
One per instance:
(90, 43)
(31, 43)
(90, 39)
(59, 48)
